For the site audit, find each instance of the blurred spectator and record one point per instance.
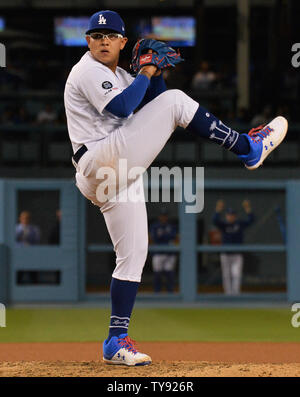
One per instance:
(232, 230)
(262, 118)
(27, 233)
(163, 264)
(54, 236)
(47, 115)
(204, 77)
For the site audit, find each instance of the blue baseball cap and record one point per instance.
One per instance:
(106, 20)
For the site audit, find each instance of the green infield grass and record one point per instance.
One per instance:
(172, 324)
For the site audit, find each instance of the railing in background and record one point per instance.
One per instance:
(70, 257)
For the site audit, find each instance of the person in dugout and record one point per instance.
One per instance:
(163, 232)
(232, 229)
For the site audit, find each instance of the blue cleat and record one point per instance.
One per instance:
(120, 350)
(263, 140)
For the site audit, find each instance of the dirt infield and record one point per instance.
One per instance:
(169, 359)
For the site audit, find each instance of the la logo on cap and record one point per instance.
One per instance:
(102, 20)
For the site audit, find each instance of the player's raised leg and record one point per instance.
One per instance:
(145, 134)
(251, 148)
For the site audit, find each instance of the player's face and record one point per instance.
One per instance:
(24, 218)
(163, 218)
(106, 50)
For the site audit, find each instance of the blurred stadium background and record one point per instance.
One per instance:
(238, 64)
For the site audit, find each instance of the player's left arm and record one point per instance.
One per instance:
(127, 101)
(250, 216)
(217, 221)
(157, 86)
(159, 54)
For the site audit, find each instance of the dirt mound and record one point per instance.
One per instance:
(169, 360)
(157, 369)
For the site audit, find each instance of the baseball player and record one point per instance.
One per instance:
(27, 233)
(164, 232)
(113, 116)
(232, 230)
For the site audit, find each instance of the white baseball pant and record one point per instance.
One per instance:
(139, 140)
(232, 268)
(163, 262)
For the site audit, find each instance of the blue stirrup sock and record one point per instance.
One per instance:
(123, 294)
(206, 125)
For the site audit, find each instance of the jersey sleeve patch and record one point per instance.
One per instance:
(107, 85)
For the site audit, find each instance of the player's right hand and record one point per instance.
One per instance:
(246, 205)
(149, 69)
(220, 205)
(158, 71)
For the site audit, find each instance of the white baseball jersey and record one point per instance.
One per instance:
(89, 88)
(137, 139)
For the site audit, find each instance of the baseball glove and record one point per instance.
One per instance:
(162, 56)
